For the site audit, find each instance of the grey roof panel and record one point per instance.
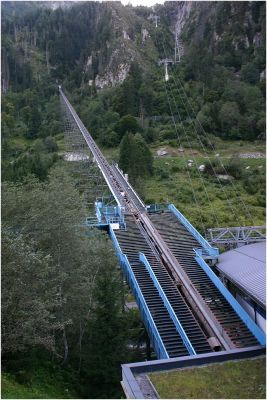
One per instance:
(246, 266)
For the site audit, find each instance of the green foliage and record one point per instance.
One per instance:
(254, 182)
(135, 157)
(28, 116)
(36, 375)
(170, 184)
(229, 117)
(126, 101)
(11, 389)
(230, 68)
(50, 144)
(250, 73)
(234, 167)
(126, 124)
(58, 293)
(27, 318)
(107, 343)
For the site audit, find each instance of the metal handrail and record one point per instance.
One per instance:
(212, 251)
(168, 306)
(139, 297)
(257, 332)
(162, 350)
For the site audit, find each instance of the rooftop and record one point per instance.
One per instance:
(242, 379)
(246, 267)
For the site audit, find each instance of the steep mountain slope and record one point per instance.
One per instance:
(103, 39)
(106, 56)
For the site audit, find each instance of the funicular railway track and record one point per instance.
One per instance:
(181, 243)
(132, 242)
(186, 307)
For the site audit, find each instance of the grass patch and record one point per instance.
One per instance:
(170, 183)
(111, 153)
(230, 380)
(11, 389)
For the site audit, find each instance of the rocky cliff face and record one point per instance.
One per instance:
(238, 25)
(129, 41)
(101, 40)
(183, 13)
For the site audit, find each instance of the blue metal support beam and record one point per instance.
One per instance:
(257, 332)
(156, 340)
(167, 304)
(213, 252)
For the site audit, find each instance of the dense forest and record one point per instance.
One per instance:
(65, 330)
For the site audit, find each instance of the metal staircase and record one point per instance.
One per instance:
(185, 307)
(182, 243)
(131, 243)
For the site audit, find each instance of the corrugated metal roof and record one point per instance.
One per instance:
(246, 266)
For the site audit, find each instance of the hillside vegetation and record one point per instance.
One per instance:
(61, 308)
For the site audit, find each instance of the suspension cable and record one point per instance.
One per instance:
(209, 142)
(195, 161)
(188, 170)
(221, 187)
(219, 159)
(203, 147)
(189, 144)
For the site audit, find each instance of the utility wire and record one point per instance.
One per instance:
(235, 214)
(190, 180)
(208, 139)
(188, 171)
(203, 147)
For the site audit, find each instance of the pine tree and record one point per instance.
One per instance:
(135, 157)
(126, 147)
(144, 157)
(106, 349)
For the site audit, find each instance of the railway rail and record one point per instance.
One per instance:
(183, 310)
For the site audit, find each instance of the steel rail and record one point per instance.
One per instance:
(142, 219)
(99, 158)
(131, 202)
(168, 305)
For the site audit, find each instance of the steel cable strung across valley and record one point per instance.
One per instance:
(208, 139)
(189, 143)
(199, 174)
(230, 203)
(203, 147)
(187, 167)
(188, 170)
(217, 157)
(235, 214)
